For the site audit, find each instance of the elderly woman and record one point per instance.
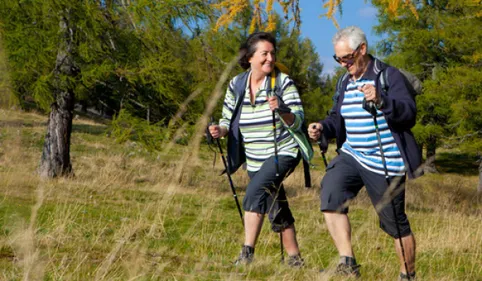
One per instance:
(247, 120)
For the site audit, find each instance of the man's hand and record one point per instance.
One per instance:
(217, 131)
(371, 93)
(314, 131)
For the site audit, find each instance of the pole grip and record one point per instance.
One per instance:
(323, 145)
(369, 106)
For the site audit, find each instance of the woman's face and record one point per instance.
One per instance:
(263, 58)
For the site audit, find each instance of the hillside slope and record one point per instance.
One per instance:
(130, 214)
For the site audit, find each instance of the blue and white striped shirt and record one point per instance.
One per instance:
(361, 138)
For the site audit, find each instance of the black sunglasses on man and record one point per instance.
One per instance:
(348, 59)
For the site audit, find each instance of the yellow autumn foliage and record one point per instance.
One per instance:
(393, 7)
(260, 8)
(331, 7)
(233, 7)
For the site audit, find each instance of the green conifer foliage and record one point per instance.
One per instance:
(142, 58)
(442, 47)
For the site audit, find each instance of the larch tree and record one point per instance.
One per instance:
(439, 41)
(41, 40)
(129, 53)
(263, 14)
(55, 159)
(442, 48)
(7, 99)
(299, 56)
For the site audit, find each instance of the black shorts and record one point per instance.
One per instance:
(343, 180)
(263, 196)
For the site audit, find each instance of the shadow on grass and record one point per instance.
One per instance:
(21, 123)
(457, 163)
(78, 128)
(89, 129)
(420, 209)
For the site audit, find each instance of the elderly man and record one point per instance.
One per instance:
(361, 116)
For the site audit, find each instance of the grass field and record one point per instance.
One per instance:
(130, 214)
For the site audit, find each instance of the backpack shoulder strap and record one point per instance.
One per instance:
(383, 80)
(380, 69)
(240, 85)
(236, 154)
(338, 89)
(276, 85)
(340, 81)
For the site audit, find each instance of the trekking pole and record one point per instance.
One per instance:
(276, 163)
(227, 173)
(373, 111)
(322, 144)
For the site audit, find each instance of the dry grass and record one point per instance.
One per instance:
(133, 215)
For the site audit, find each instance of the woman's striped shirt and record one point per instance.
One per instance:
(256, 121)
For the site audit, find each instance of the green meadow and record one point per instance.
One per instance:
(133, 214)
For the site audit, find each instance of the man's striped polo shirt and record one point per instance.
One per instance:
(361, 138)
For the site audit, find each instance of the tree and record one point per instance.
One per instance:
(442, 41)
(299, 56)
(263, 16)
(463, 87)
(52, 86)
(7, 99)
(432, 39)
(131, 53)
(55, 159)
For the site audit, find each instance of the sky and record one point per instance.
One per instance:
(320, 30)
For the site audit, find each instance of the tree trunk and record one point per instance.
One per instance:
(479, 188)
(55, 159)
(430, 156)
(7, 98)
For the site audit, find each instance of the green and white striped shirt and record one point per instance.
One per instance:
(256, 121)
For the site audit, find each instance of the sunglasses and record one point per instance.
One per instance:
(348, 59)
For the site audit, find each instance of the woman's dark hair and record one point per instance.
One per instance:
(248, 48)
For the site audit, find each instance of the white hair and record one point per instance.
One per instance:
(353, 34)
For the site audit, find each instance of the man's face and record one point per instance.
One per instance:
(348, 57)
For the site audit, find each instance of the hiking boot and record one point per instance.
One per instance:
(296, 261)
(348, 269)
(410, 276)
(246, 256)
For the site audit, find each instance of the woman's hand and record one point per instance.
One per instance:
(314, 131)
(217, 131)
(283, 110)
(273, 103)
